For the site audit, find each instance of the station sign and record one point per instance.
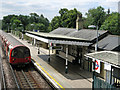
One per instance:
(107, 66)
(97, 65)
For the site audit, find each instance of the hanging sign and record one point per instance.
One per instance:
(107, 66)
(97, 65)
(50, 46)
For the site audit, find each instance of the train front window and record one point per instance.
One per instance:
(20, 52)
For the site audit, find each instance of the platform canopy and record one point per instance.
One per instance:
(106, 56)
(58, 39)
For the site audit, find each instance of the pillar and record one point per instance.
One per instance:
(22, 36)
(38, 49)
(93, 74)
(15, 33)
(34, 41)
(66, 64)
(49, 54)
(111, 76)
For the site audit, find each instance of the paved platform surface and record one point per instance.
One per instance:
(76, 77)
(0, 66)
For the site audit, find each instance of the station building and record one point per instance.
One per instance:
(107, 75)
(77, 43)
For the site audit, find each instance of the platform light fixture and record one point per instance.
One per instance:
(93, 26)
(33, 26)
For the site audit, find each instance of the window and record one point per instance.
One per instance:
(20, 52)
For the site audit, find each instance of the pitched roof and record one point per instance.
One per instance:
(58, 39)
(107, 56)
(88, 34)
(63, 31)
(54, 36)
(109, 43)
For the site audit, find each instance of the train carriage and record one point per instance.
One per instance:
(17, 52)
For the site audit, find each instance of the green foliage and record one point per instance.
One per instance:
(67, 19)
(111, 24)
(20, 22)
(0, 24)
(17, 22)
(96, 16)
(55, 23)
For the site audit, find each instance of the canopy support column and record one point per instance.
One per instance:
(34, 41)
(111, 76)
(49, 54)
(66, 66)
(22, 36)
(38, 49)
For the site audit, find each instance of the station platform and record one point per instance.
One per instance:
(75, 78)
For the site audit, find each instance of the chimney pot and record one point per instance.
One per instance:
(79, 22)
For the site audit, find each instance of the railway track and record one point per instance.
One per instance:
(3, 82)
(25, 79)
(3, 85)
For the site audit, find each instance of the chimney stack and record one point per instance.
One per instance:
(79, 22)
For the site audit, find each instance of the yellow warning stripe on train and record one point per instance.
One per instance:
(48, 74)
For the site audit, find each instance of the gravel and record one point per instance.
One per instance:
(10, 83)
(42, 82)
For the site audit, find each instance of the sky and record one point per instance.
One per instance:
(50, 8)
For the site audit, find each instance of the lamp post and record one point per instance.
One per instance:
(33, 26)
(22, 31)
(33, 30)
(14, 28)
(96, 49)
(93, 26)
(15, 32)
(8, 26)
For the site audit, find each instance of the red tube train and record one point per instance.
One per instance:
(16, 52)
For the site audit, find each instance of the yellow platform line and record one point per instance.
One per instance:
(48, 74)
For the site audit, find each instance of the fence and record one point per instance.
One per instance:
(100, 84)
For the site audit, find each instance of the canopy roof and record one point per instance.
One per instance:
(87, 34)
(106, 56)
(58, 39)
(111, 42)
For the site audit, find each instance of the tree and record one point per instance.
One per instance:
(0, 24)
(67, 19)
(44, 21)
(55, 23)
(16, 24)
(24, 22)
(63, 11)
(111, 24)
(33, 17)
(7, 21)
(96, 16)
(41, 27)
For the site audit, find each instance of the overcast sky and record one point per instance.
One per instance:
(50, 8)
